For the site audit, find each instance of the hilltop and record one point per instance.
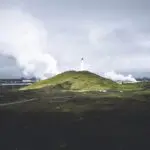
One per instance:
(75, 80)
(59, 115)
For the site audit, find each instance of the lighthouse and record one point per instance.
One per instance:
(82, 64)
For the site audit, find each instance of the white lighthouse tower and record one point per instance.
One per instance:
(82, 64)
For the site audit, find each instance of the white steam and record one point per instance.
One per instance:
(110, 75)
(119, 77)
(25, 38)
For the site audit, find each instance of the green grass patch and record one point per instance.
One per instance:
(75, 80)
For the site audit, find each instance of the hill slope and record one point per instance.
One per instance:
(75, 80)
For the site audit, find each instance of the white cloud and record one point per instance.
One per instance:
(106, 43)
(110, 46)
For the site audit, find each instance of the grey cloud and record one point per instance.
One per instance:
(10, 72)
(8, 67)
(111, 35)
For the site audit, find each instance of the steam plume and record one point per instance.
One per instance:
(24, 37)
(119, 77)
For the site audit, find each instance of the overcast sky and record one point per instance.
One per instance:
(109, 34)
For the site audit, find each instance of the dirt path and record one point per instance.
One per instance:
(18, 102)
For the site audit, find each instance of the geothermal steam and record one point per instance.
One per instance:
(119, 77)
(111, 75)
(24, 37)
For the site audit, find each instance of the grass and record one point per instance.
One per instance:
(73, 101)
(84, 81)
(69, 119)
(86, 120)
(83, 89)
(73, 80)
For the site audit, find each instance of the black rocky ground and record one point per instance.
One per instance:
(119, 123)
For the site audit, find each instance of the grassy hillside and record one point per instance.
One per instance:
(135, 86)
(96, 120)
(75, 80)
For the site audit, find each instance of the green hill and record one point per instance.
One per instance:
(75, 80)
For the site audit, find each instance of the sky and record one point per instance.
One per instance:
(111, 35)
